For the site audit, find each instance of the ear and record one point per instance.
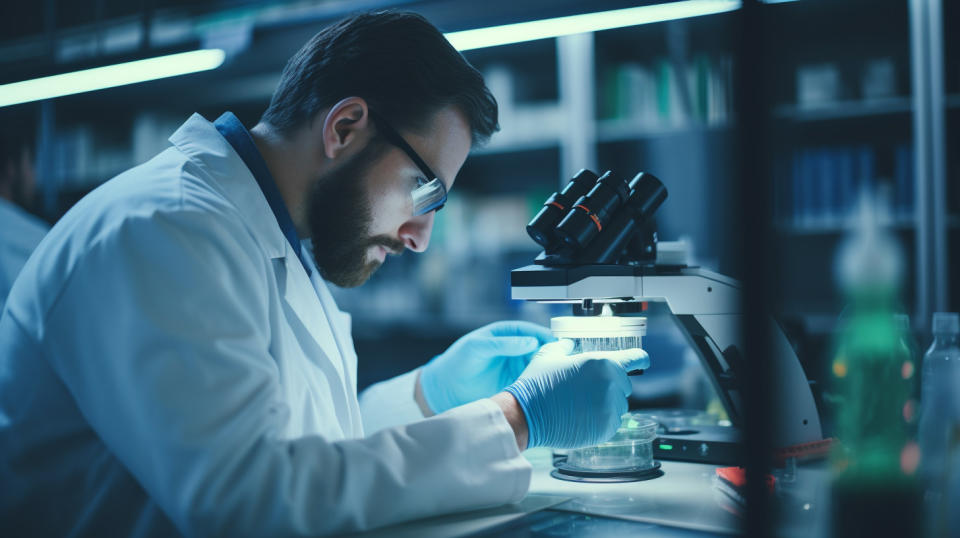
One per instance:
(345, 126)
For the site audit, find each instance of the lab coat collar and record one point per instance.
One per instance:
(203, 144)
(239, 137)
(199, 140)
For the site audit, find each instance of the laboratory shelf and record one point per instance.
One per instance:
(501, 145)
(838, 227)
(618, 130)
(842, 110)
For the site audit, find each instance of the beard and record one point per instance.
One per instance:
(339, 217)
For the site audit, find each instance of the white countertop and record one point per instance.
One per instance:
(683, 498)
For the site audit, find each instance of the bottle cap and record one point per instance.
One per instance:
(946, 323)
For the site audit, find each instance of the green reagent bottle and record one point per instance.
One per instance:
(875, 489)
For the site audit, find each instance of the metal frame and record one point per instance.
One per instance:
(930, 168)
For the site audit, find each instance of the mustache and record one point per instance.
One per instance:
(393, 246)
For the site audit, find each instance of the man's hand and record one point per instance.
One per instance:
(480, 364)
(572, 401)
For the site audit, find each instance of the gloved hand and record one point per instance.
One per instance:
(572, 401)
(481, 363)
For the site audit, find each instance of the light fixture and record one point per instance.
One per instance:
(110, 76)
(183, 63)
(587, 22)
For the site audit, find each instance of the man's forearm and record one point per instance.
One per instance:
(508, 404)
(514, 414)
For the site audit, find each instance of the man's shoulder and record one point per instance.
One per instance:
(122, 217)
(162, 187)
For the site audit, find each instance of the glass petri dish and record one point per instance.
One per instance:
(630, 449)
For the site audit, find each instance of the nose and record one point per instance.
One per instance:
(415, 233)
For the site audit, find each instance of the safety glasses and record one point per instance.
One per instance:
(431, 193)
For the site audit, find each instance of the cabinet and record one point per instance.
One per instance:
(841, 84)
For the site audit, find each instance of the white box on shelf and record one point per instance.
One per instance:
(817, 85)
(879, 79)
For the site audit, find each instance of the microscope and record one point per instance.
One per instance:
(600, 255)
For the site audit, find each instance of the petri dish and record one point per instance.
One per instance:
(630, 449)
(600, 333)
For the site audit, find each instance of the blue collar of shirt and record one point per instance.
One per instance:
(238, 137)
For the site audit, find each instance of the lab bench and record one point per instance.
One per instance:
(681, 502)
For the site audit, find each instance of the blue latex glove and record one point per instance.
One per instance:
(481, 363)
(572, 401)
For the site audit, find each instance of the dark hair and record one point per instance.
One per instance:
(397, 61)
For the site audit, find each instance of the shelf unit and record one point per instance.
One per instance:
(566, 104)
(845, 109)
(627, 130)
(839, 227)
(862, 110)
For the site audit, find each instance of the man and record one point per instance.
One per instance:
(172, 361)
(20, 232)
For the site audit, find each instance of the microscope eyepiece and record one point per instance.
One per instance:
(542, 227)
(647, 193)
(602, 220)
(592, 211)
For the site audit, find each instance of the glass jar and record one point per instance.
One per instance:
(631, 449)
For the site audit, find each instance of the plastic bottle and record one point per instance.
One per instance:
(940, 425)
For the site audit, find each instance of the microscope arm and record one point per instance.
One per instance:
(707, 306)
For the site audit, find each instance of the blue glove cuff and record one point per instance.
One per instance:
(521, 392)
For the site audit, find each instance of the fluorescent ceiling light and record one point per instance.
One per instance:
(110, 76)
(587, 22)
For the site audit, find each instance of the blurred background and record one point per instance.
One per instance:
(853, 99)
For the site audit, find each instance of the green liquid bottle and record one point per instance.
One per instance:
(873, 375)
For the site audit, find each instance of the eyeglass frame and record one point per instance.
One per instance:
(393, 136)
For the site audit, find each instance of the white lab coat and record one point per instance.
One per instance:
(167, 365)
(20, 233)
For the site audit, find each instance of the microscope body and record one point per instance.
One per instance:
(600, 248)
